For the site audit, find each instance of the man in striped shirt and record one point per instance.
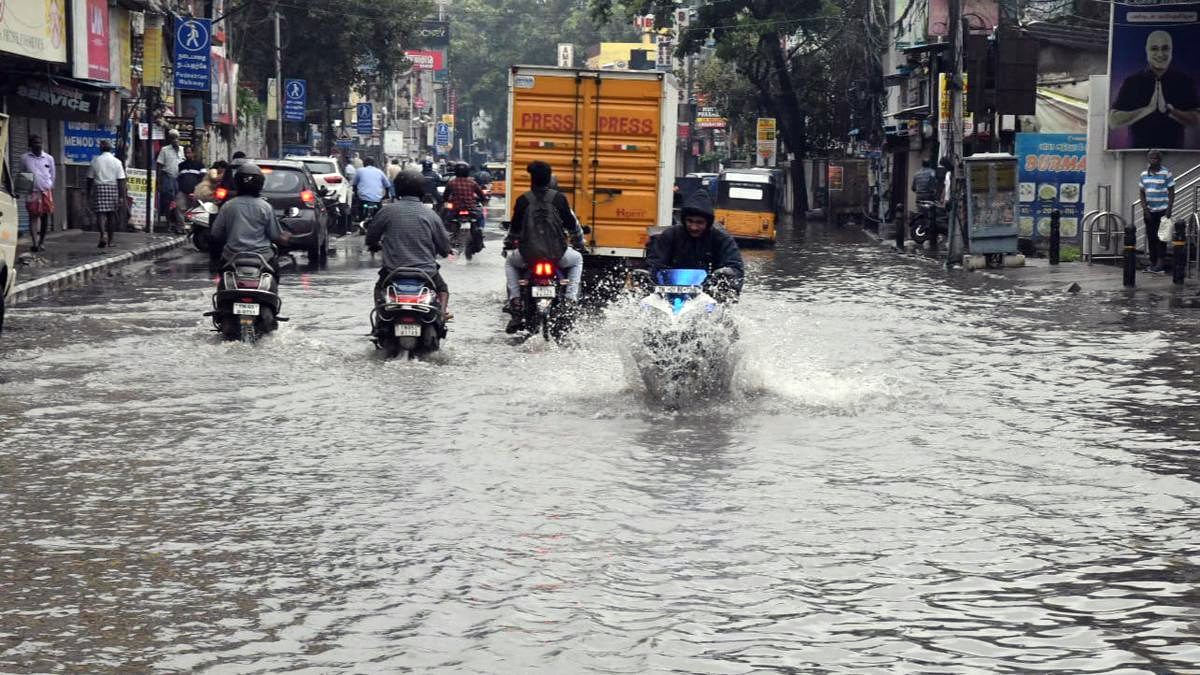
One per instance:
(1158, 196)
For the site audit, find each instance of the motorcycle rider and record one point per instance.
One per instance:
(372, 185)
(431, 180)
(410, 235)
(694, 243)
(571, 262)
(463, 192)
(247, 223)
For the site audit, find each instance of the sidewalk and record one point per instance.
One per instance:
(70, 258)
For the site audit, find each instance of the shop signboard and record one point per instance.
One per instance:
(152, 52)
(90, 35)
(1050, 177)
(186, 126)
(193, 47)
(709, 118)
(81, 141)
(34, 29)
(42, 99)
(1154, 53)
(121, 43)
(429, 59)
(434, 33)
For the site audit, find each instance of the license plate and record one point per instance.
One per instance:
(464, 225)
(246, 308)
(408, 330)
(543, 291)
(676, 290)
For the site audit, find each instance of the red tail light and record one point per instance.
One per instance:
(464, 213)
(247, 299)
(543, 269)
(333, 179)
(450, 205)
(221, 194)
(307, 197)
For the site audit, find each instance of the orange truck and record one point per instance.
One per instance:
(610, 136)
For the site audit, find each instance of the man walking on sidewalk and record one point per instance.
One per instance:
(169, 159)
(1158, 196)
(40, 202)
(106, 187)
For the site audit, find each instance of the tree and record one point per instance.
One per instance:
(788, 51)
(334, 44)
(487, 38)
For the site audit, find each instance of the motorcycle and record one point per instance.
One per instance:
(543, 299)
(407, 315)
(197, 220)
(246, 303)
(461, 220)
(685, 351)
(368, 211)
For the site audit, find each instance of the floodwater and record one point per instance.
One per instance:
(913, 472)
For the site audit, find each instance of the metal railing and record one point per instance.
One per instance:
(1187, 204)
(1108, 240)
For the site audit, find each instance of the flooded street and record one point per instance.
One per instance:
(914, 472)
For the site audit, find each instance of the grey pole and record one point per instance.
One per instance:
(278, 89)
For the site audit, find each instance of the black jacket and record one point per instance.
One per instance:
(678, 249)
(571, 230)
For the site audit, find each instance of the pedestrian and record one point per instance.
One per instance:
(925, 182)
(1158, 197)
(106, 187)
(393, 169)
(40, 202)
(169, 159)
(357, 161)
(191, 172)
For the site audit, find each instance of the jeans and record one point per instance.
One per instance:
(571, 262)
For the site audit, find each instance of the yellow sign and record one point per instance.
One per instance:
(124, 46)
(448, 119)
(35, 29)
(152, 53)
(272, 99)
(944, 97)
(766, 129)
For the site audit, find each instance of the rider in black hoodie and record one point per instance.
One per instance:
(694, 243)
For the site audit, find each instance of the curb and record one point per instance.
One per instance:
(79, 274)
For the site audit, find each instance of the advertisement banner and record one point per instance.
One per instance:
(81, 141)
(89, 25)
(1050, 176)
(122, 46)
(1155, 53)
(272, 99)
(193, 47)
(767, 147)
(35, 29)
(186, 126)
(152, 52)
(709, 118)
(221, 76)
(434, 34)
(426, 59)
(136, 184)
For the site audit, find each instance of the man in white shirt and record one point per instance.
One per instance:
(106, 187)
(169, 159)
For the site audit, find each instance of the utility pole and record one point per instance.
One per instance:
(954, 91)
(278, 89)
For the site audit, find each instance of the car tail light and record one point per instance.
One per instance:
(543, 269)
(221, 194)
(307, 197)
(333, 179)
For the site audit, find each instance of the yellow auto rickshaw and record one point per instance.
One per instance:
(499, 171)
(748, 203)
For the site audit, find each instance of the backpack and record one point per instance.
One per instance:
(542, 232)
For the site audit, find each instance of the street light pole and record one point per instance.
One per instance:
(954, 243)
(278, 90)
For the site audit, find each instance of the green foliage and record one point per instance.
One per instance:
(248, 103)
(334, 44)
(1070, 254)
(487, 38)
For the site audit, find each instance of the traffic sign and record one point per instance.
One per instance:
(442, 135)
(193, 44)
(364, 119)
(295, 95)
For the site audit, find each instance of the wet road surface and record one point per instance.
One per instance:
(913, 473)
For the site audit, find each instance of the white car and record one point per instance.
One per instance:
(327, 171)
(8, 225)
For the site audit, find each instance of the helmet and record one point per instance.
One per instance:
(462, 170)
(426, 166)
(409, 183)
(249, 179)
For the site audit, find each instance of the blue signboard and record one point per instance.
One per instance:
(1050, 175)
(442, 135)
(366, 119)
(344, 143)
(81, 141)
(295, 95)
(193, 44)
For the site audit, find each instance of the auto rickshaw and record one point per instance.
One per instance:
(499, 172)
(748, 203)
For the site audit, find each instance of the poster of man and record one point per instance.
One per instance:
(1153, 101)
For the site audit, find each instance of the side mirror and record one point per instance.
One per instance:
(587, 229)
(505, 224)
(323, 190)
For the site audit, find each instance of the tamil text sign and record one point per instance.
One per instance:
(295, 95)
(1155, 54)
(193, 44)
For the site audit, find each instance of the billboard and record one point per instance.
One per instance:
(1050, 177)
(426, 59)
(90, 34)
(35, 29)
(1154, 52)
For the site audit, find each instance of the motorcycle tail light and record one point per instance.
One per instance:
(307, 197)
(464, 213)
(543, 269)
(247, 299)
(449, 205)
(408, 319)
(221, 194)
